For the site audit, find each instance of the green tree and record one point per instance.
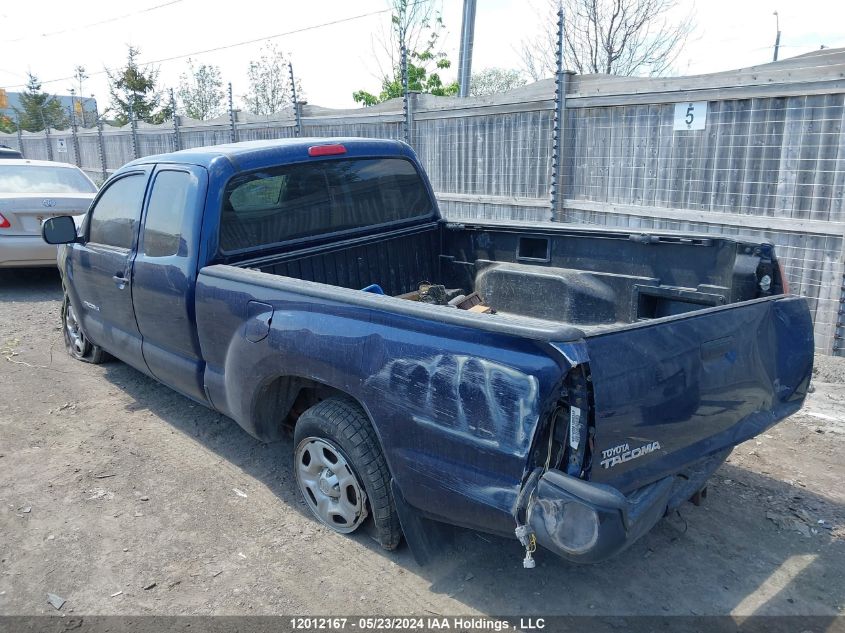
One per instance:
(7, 125)
(134, 89)
(416, 26)
(200, 91)
(39, 109)
(269, 82)
(492, 80)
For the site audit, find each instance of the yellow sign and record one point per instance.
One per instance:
(4, 99)
(77, 107)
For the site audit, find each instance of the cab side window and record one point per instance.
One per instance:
(172, 192)
(114, 219)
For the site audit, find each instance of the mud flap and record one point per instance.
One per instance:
(425, 537)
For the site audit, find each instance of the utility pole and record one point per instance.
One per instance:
(777, 37)
(465, 59)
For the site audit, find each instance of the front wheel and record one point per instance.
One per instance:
(341, 471)
(76, 342)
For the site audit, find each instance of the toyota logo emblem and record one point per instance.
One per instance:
(48, 203)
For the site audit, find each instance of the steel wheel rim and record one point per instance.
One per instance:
(329, 486)
(74, 332)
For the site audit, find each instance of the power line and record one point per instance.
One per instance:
(234, 45)
(92, 24)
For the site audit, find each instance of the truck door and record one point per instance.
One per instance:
(101, 267)
(165, 275)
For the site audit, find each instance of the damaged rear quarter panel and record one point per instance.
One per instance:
(456, 409)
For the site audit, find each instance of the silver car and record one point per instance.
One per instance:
(30, 192)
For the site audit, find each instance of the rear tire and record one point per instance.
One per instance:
(76, 343)
(341, 471)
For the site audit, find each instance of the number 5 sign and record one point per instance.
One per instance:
(690, 116)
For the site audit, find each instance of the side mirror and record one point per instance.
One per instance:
(59, 230)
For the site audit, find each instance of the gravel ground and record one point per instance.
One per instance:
(122, 497)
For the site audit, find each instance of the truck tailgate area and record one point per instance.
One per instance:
(669, 391)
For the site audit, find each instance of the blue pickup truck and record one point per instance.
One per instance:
(567, 386)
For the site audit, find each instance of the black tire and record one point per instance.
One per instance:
(343, 424)
(76, 343)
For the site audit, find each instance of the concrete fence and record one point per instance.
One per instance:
(758, 152)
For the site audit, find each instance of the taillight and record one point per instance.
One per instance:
(326, 150)
(4, 223)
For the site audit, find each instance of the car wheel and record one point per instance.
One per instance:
(76, 342)
(341, 471)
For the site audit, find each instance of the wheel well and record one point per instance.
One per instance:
(281, 401)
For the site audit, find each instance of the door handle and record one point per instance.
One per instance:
(120, 281)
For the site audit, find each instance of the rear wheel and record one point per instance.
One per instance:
(76, 342)
(341, 471)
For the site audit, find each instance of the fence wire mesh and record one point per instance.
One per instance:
(763, 167)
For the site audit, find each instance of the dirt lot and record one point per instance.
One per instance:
(110, 482)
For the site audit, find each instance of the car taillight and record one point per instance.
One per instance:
(4, 223)
(326, 150)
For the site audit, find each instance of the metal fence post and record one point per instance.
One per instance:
(177, 139)
(233, 132)
(49, 142)
(839, 330)
(558, 132)
(75, 137)
(20, 136)
(133, 124)
(102, 145)
(406, 97)
(296, 113)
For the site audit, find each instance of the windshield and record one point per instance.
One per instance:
(41, 179)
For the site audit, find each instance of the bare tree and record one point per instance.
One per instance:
(415, 24)
(269, 82)
(492, 80)
(613, 37)
(200, 91)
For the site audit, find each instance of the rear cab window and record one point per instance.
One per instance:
(294, 201)
(172, 193)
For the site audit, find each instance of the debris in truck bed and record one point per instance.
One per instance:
(471, 300)
(481, 309)
(437, 294)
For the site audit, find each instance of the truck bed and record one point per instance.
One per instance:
(574, 277)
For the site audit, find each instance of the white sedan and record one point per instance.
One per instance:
(30, 192)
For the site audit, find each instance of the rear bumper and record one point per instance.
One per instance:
(588, 522)
(17, 251)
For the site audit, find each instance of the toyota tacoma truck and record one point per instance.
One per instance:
(567, 386)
